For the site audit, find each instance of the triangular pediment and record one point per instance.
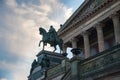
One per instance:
(86, 9)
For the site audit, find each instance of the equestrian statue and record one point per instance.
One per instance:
(50, 37)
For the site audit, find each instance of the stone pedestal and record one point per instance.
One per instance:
(74, 67)
(74, 64)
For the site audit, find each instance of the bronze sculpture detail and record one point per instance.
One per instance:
(50, 37)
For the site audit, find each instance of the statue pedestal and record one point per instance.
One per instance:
(55, 58)
(74, 64)
(48, 62)
(74, 67)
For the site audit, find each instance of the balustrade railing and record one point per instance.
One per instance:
(56, 71)
(106, 60)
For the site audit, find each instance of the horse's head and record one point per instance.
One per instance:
(40, 30)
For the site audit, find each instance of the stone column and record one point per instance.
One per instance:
(101, 44)
(116, 23)
(86, 44)
(74, 42)
(64, 48)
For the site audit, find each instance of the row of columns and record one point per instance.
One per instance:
(86, 44)
(116, 23)
(100, 36)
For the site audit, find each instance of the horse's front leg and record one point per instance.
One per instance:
(54, 48)
(40, 42)
(43, 45)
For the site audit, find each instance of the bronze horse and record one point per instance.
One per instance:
(46, 39)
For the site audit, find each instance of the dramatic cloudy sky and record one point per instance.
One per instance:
(19, 35)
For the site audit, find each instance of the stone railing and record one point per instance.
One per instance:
(104, 61)
(56, 71)
(67, 76)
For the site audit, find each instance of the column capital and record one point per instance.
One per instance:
(73, 39)
(99, 25)
(85, 33)
(115, 15)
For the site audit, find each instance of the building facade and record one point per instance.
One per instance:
(94, 28)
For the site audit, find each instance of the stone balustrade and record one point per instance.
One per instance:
(67, 76)
(106, 61)
(56, 71)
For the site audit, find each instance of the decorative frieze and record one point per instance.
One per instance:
(55, 71)
(89, 8)
(100, 63)
(86, 9)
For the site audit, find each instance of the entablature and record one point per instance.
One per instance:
(84, 13)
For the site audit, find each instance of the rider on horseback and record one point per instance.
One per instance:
(52, 35)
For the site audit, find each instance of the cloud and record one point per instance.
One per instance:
(17, 70)
(19, 35)
(68, 13)
(25, 20)
(3, 79)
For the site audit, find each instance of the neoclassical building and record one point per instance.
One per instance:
(94, 28)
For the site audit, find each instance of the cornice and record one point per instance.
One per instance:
(67, 26)
(73, 15)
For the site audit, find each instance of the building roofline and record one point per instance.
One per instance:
(73, 15)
